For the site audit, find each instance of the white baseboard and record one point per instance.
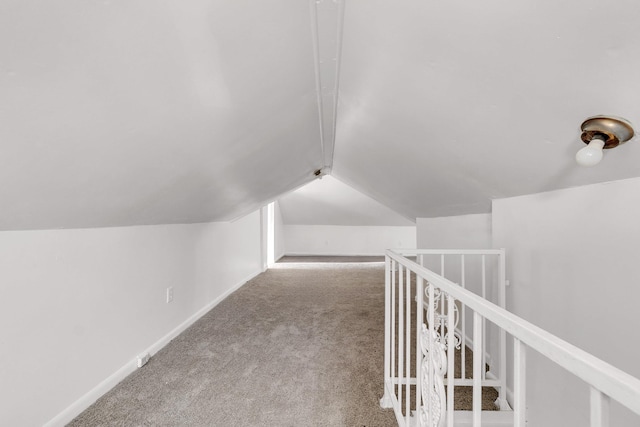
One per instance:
(89, 398)
(77, 407)
(332, 254)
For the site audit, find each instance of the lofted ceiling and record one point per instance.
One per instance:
(121, 113)
(150, 112)
(446, 105)
(328, 201)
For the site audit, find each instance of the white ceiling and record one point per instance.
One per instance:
(146, 112)
(328, 201)
(149, 112)
(445, 105)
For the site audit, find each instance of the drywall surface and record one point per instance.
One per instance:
(572, 258)
(78, 305)
(455, 232)
(346, 240)
(328, 201)
(279, 231)
(327, 217)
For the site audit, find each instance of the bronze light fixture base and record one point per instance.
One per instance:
(612, 130)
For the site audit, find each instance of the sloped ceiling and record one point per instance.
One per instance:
(120, 113)
(328, 201)
(445, 105)
(148, 112)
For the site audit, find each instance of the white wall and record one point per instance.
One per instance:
(78, 305)
(328, 217)
(279, 232)
(455, 232)
(346, 240)
(572, 258)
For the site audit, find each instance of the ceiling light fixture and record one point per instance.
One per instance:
(600, 132)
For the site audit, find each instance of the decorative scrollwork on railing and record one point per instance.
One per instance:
(434, 360)
(440, 316)
(434, 344)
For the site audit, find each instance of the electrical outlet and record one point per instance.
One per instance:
(169, 294)
(143, 359)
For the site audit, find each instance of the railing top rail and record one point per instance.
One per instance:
(607, 378)
(449, 251)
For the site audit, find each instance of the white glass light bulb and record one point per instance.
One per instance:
(591, 154)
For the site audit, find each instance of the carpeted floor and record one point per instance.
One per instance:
(301, 344)
(295, 346)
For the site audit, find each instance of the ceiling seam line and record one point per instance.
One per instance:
(339, 37)
(313, 13)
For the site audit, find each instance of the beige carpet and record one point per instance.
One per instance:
(295, 346)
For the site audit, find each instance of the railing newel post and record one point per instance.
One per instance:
(400, 334)
(385, 401)
(477, 369)
(519, 383)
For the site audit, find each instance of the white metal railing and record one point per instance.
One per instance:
(411, 290)
(479, 270)
(482, 271)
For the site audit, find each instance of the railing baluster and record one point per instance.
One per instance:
(477, 364)
(502, 392)
(431, 320)
(484, 322)
(519, 383)
(451, 355)
(442, 299)
(484, 277)
(394, 266)
(387, 326)
(419, 321)
(464, 323)
(599, 408)
(400, 334)
(408, 351)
